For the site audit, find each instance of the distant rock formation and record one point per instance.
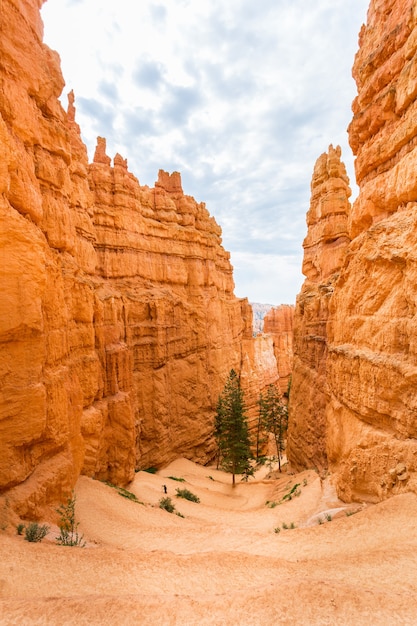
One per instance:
(118, 322)
(279, 323)
(259, 312)
(354, 395)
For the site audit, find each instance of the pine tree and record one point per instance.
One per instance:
(231, 430)
(273, 417)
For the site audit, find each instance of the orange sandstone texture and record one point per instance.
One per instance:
(367, 387)
(279, 323)
(324, 251)
(118, 322)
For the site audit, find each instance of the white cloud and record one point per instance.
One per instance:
(241, 97)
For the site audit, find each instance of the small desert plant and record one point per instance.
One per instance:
(187, 495)
(151, 470)
(68, 526)
(20, 528)
(328, 517)
(320, 521)
(271, 504)
(167, 505)
(305, 482)
(35, 532)
(288, 527)
(180, 480)
(294, 491)
(277, 530)
(124, 493)
(349, 513)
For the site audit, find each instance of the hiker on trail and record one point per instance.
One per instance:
(165, 489)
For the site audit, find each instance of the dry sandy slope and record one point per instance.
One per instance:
(222, 563)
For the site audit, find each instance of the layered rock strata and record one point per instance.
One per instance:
(118, 322)
(279, 323)
(363, 378)
(324, 250)
(372, 413)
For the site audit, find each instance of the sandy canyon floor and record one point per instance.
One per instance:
(223, 563)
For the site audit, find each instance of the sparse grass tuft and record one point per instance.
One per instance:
(180, 480)
(167, 505)
(20, 528)
(35, 532)
(124, 493)
(271, 504)
(187, 495)
(68, 533)
(328, 517)
(277, 530)
(294, 491)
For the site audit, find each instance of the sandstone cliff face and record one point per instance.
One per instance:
(372, 358)
(278, 323)
(118, 323)
(363, 377)
(324, 250)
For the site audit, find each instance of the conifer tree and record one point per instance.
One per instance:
(231, 429)
(273, 417)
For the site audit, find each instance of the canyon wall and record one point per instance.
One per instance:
(118, 322)
(364, 377)
(278, 323)
(324, 251)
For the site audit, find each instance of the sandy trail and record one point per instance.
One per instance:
(223, 563)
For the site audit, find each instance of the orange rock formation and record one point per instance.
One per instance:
(118, 323)
(324, 250)
(278, 323)
(359, 387)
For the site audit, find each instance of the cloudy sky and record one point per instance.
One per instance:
(240, 96)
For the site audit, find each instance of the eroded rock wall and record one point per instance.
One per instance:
(324, 251)
(278, 323)
(372, 363)
(360, 387)
(118, 322)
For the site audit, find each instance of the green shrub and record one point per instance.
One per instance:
(20, 528)
(180, 480)
(187, 495)
(294, 491)
(124, 493)
(328, 517)
(151, 470)
(166, 504)
(35, 532)
(271, 504)
(68, 526)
